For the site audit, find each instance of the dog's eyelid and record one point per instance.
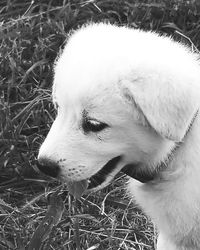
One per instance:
(94, 121)
(93, 125)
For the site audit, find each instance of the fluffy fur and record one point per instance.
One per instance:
(145, 87)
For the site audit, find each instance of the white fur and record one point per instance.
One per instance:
(146, 88)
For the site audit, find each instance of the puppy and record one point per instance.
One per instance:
(128, 100)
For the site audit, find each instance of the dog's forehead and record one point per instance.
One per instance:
(89, 97)
(83, 79)
(91, 59)
(80, 84)
(100, 101)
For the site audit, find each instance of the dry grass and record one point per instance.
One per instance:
(31, 35)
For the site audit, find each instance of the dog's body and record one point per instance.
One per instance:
(131, 98)
(173, 203)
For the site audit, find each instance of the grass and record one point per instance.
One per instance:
(31, 35)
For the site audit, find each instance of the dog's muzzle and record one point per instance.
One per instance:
(52, 169)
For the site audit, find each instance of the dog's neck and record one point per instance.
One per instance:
(133, 170)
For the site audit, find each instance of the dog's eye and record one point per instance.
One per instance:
(91, 125)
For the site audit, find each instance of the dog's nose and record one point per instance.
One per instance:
(48, 167)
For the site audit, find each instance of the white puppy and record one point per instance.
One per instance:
(128, 101)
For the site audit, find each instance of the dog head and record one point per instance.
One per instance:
(120, 100)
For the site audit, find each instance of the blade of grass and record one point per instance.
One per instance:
(52, 217)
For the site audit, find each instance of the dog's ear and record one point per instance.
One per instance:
(166, 106)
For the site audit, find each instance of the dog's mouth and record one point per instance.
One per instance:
(132, 170)
(78, 188)
(98, 178)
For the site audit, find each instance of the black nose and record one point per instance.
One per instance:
(48, 167)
